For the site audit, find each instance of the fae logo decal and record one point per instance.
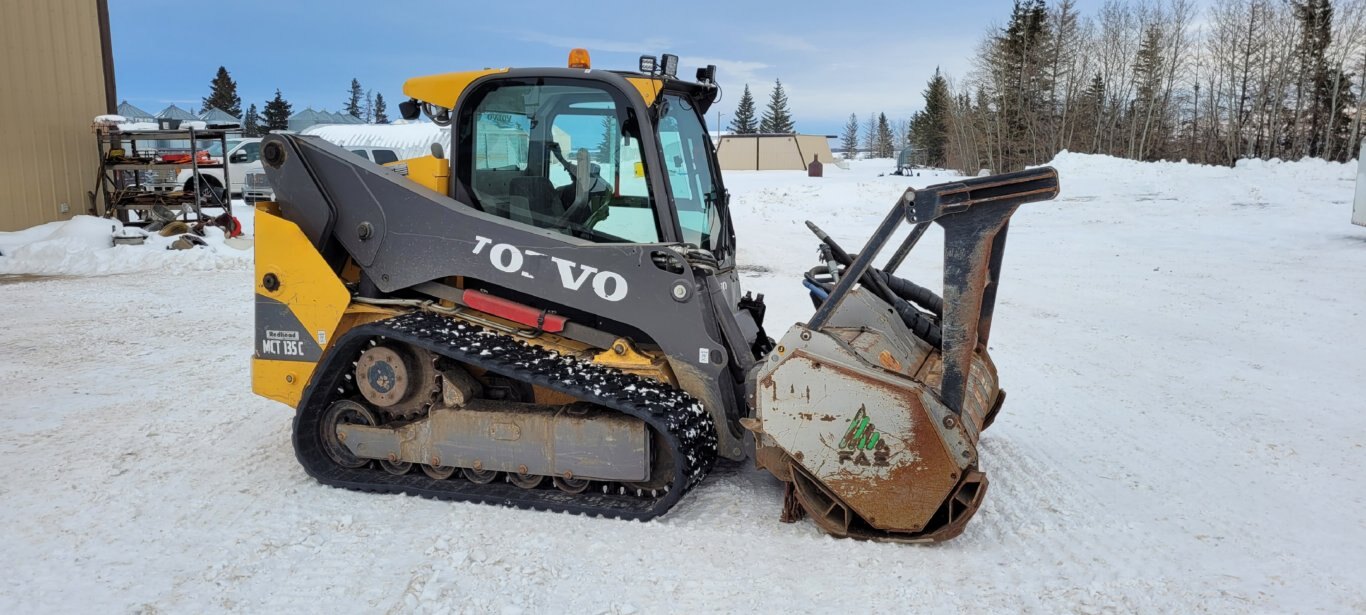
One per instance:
(861, 439)
(507, 258)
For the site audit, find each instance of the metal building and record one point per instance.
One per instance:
(214, 115)
(771, 152)
(56, 74)
(133, 113)
(173, 112)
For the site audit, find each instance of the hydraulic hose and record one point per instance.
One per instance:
(914, 293)
(920, 324)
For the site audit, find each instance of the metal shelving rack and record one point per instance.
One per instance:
(123, 192)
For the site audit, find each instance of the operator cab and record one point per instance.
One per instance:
(603, 156)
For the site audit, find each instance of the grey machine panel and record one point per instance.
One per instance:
(437, 237)
(567, 441)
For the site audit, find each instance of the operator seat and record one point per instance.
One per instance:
(538, 200)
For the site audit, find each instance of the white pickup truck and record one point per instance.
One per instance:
(256, 187)
(243, 155)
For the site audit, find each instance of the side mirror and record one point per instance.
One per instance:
(238, 157)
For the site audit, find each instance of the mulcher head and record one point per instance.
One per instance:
(872, 410)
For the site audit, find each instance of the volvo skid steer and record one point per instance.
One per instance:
(547, 315)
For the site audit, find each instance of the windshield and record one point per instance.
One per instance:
(215, 148)
(687, 164)
(560, 155)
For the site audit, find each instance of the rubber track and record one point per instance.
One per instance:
(685, 425)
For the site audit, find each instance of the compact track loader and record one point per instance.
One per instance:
(548, 316)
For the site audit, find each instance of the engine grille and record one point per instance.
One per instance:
(257, 180)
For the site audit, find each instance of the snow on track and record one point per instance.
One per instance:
(1183, 347)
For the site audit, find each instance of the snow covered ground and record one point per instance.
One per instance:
(1184, 349)
(85, 246)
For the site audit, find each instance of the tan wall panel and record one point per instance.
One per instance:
(771, 153)
(51, 87)
(817, 145)
(779, 154)
(736, 154)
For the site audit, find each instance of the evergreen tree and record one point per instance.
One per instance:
(353, 101)
(1148, 120)
(1315, 79)
(744, 122)
(1017, 61)
(1339, 144)
(929, 128)
(380, 116)
(1089, 114)
(870, 134)
(223, 94)
(368, 113)
(849, 139)
(611, 140)
(885, 147)
(777, 117)
(251, 124)
(277, 113)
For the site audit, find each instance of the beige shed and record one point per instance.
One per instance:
(56, 75)
(762, 152)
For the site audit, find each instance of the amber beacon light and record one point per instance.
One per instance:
(578, 58)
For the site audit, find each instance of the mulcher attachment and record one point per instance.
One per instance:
(872, 410)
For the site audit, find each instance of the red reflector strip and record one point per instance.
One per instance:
(516, 312)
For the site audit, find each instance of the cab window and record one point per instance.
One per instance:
(686, 150)
(564, 157)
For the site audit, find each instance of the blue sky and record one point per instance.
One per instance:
(834, 58)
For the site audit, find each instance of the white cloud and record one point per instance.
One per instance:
(649, 45)
(784, 42)
(728, 72)
(824, 87)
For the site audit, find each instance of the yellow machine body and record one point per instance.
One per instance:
(300, 284)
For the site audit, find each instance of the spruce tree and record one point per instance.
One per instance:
(1018, 57)
(611, 139)
(1148, 121)
(777, 117)
(251, 124)
(1090, 115)
(870, 134)
(277, 113)
(380, 116)
(849, 139)
(930, 127)
(368, 111)
(223, 94)
(744, 122)
(885, 147)
(1315, 83)
(353, 101)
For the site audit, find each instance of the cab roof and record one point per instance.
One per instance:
(445, 89)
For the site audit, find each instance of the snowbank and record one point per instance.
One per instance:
(409, 140)
(84, 246)
(1169, 176)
